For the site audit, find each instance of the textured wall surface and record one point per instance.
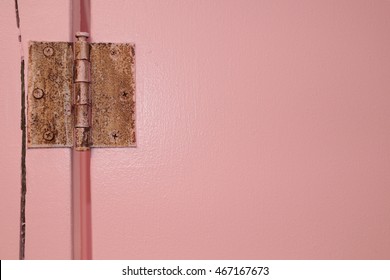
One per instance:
(262, 129)
(48, 170)
(10, 134)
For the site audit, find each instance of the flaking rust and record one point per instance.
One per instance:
(55, 121)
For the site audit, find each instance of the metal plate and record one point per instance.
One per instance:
(50, 95)
(49, 102)
(113, 94)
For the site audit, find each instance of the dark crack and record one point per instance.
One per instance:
(22, 236)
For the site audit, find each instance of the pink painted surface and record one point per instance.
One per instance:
(81, 163)
(10, 133)
(48, 171)
(81, 206)
(263, 132)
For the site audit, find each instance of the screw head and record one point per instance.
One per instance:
(48, 51)
(48, 135)
(38, 93)
(115, 135)
(114, 52)
(124, 95)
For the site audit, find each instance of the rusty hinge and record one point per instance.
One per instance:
(81, 94)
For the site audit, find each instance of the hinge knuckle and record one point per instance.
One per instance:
(82, 70)
(82, 115)
(81, 49)
(81, 91)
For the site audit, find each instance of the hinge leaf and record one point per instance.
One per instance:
(113, 94)
(49, 102)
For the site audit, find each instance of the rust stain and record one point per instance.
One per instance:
(49, 103)
(58, 109)
(113, 94)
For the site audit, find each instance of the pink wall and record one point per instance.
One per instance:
(263, 132)
(48, 171)
(10, 135)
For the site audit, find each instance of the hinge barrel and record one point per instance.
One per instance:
(82, 104)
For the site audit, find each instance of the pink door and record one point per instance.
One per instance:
(262, 128)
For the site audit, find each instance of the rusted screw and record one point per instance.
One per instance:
(48, 135)
(48, 51)
(124, 95)
(115, 135)
(38, 93)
